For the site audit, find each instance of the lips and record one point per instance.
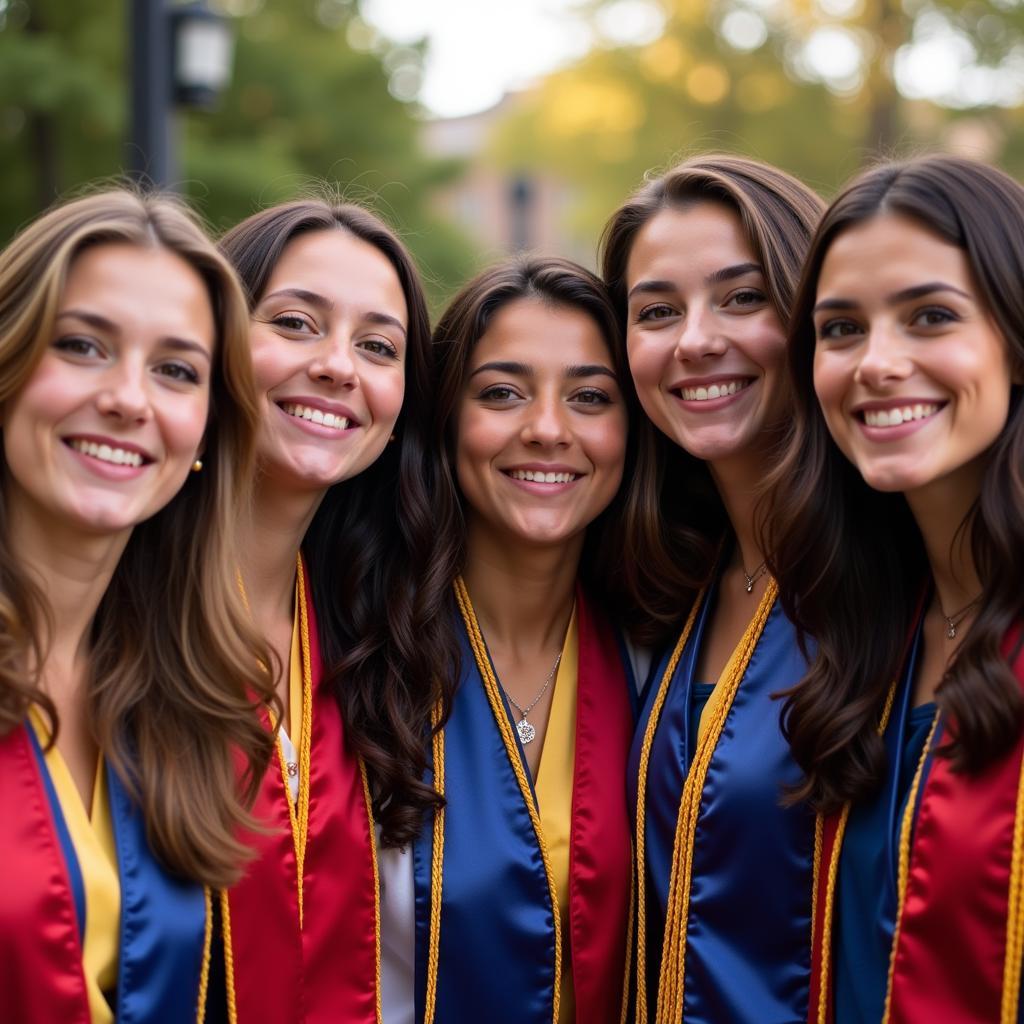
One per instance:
(115, 453)
(537, 476)
(709, 392)
(896, 416)
(321, 417)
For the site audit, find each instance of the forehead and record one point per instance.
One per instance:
(888, 253)
(345, 269)
(140, 286)
(540, 334)
(677, 242)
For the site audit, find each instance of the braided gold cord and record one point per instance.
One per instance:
(436, 871)
(641, 811)
(673, 965)
(491, 687)
(229, 957)
(376, 891)
(204, 970)
(1015, 916)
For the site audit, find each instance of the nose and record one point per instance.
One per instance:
(333, 362)
(883, 358)
(546, 424)
(700, 336)
(125, 395)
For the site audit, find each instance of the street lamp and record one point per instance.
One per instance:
(181, 54)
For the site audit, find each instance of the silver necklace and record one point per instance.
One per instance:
(526, 731)
(753, 577)
(954, 620)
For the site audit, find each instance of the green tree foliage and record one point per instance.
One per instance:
(303, 105)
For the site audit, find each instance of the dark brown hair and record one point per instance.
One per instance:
(850, 560)
(675, 520)
(561, 284)
(174, 664)
(377, 589)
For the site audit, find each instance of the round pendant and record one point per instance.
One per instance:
(525, 730)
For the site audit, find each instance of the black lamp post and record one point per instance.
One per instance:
(181, 55)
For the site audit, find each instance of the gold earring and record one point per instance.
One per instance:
(391, 438)
(197, 465)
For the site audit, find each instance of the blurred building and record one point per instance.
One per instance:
(502, 209)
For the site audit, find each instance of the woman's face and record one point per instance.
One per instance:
(911, 372)
(104, 432)
(541, 429)
(705, 344)
(328, 345)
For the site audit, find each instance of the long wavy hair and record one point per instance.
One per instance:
(174, 665)
(378, 591)
(675, 522)
(850, 560)
(563, 285)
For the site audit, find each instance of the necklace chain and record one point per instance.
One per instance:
(526, 731)
(954, 620)
(752, 577)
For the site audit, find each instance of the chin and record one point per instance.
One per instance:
(893, 480)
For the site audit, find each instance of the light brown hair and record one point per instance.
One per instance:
(174, 664)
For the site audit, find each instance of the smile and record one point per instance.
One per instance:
(899, 415)
(105, 453)
(712, 391)
(324, 419)
(542, 478)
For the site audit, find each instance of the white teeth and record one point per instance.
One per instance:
(103, 452)
(714, 391)
(542, 478)
(903, 414)
(326, 419)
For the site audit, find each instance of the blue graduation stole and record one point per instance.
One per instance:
(724, 935)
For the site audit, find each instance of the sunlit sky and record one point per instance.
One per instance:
(480, 49)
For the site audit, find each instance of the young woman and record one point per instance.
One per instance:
(336, 572)
(521, 887)
(702, 264)
(899, 527)
(127, 669)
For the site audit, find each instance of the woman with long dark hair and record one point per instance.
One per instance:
(337, 573)
(897, 531)
(702, 264)
(128, 671)
(521, 886)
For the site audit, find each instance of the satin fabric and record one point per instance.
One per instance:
(749, 923)
(163, 918)
(324, 972)
(497, 940)
(951, 949)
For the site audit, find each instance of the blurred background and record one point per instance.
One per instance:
(479, 127)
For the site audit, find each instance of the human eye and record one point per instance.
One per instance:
(745, 299)
(293, 323)
(591, 397)
(499, 393)
(179, 372)
(77, 345)
(838, 329)
(655, 311)
(379, 347)
(933, 316)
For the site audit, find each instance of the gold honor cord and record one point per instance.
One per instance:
(492, 689)
(436, 870)
(1015, 916)
(378, 1011)
(641, 811)
(673, 959)
(833, 872)
(204, 970)
(903, 869)
(229, 957)
(630, 921)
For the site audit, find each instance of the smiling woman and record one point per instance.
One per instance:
(898, 528)
(127, 668)
(527, 865)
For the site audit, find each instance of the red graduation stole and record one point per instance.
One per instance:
(302, 944)
(959, 935)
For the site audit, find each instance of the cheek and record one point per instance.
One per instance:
(646, 364)
(385, 394)
(272, 360)
(182, 422)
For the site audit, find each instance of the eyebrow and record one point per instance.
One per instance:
(386, 320)
(523, 370)
(918, 291)
(101, 323)
(717, 277)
